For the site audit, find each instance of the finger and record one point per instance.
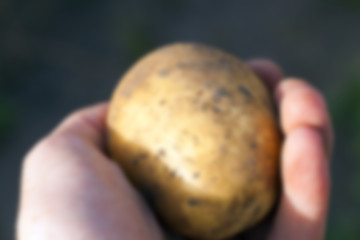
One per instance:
(305, 177)
(302, 105)
(78, 137)
(87, 124)
(267, 71)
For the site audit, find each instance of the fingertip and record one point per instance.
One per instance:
(87, 123)
(290, 84)
(302, 105)
(267, 70)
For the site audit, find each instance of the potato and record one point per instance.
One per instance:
(195, 131)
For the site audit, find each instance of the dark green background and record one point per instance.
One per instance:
(56, 56)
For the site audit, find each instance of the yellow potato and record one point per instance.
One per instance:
(195, 131)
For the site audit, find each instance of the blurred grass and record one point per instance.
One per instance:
(345, 112)
(137, 38)
(345, 109)
(355, 4)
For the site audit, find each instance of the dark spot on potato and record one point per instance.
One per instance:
(252, 161)
(214, 66)
(228, 134)
(173, 174)
(161, 153)
(220, 64)
(216, 109)
(199, 93)
(220, 93)
(193, 202)
(222, 149)
(234, 207)
(166, 168)
(256, 211)
(248, 201)
(162, 102)
(138, 159)
(183, 64)
(253, 145)
(192, 65)
(196, 175)
(205, 106)
(208, 84)
(164, 72)
(245, 91)
(225, 63)
(151, 169)
(208, 65)
(197, 97)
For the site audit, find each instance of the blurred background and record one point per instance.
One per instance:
(57, 56)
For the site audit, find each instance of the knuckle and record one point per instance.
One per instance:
(46, 147)
(302, 104)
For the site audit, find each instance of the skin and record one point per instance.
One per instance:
(71, 190)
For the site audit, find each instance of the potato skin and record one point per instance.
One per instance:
(195, 131)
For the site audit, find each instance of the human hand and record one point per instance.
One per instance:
(71, 190)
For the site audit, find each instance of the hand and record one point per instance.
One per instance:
(71, 190)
